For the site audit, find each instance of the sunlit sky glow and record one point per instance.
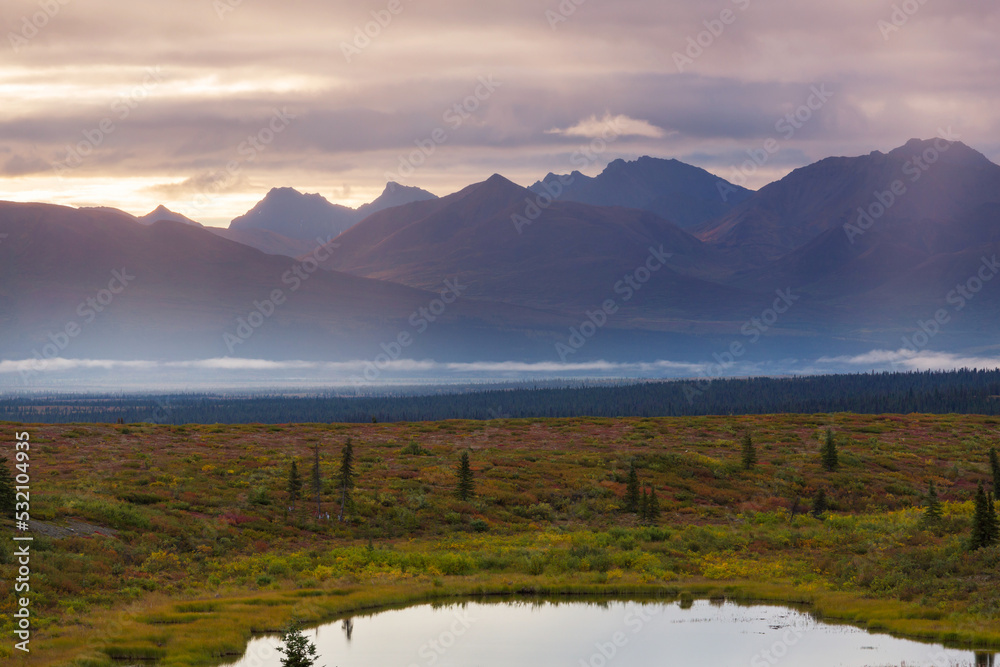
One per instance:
(184, 86)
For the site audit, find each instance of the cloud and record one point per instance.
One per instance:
(608, 125)
(20, 165)
(60, 365)
(913, 360)
(222, 76)
(554, 367)
(208, 182)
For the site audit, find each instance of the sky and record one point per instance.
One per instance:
(204, 105)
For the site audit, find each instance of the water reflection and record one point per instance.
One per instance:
(539, 633)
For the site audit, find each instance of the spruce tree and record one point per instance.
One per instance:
(992, 527)
(632, 490)
(296, 649)
(8, 494)
(984, 521)
(294, 484)
(995, 468)
(644, 505)
(819, 506)
(796, 507)
(749, 452)
(653, 507)
(466, 484)
(345, 478)
(828, 453)
(932, 508)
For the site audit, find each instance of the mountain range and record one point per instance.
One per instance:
(646, 260)
(684, 194)
(287, 221)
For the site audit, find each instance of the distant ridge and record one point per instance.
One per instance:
(393, 195)
(307, 217)
(844, 256)
(161, 212)
(681, 193)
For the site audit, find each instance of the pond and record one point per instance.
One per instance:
(604, 634)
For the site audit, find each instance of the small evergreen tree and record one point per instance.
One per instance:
(995, 468)
(294, 484)
(653, 507)
(932, 508)
(296, 649)
(466, 484)
(984, 521)
(749, 452)
(8, 494)
(345, 478)
(644, 505)
(819, 506)
(796, 507)
(632, 490)
(828, 453)
(992, 526)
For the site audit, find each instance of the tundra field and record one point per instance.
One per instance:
(177, 543)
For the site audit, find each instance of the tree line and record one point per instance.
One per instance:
(932, 392)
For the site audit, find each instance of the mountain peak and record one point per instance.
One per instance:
(394, 188)
(497, 179)
(496, 186)
(394, 194)
(304, 217)
(161, 212)
(291, 194)
(681, 193)
(280, 192)
(933, 150)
